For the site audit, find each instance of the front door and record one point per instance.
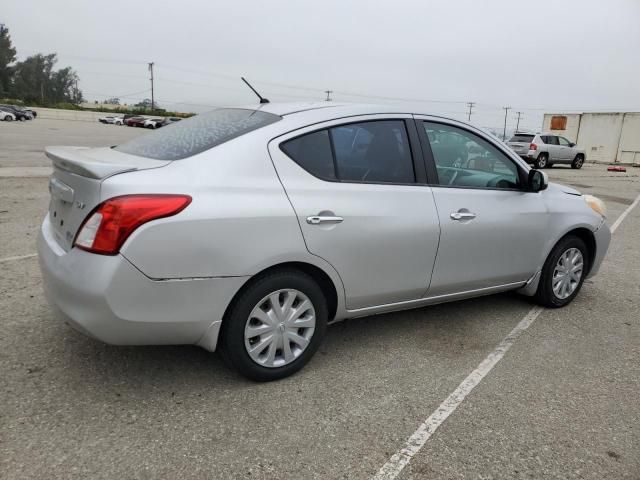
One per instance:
(492, 230)
(555, 150)
(361, 206)
(565, 149)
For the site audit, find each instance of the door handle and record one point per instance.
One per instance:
(462, 216)
(318, 219)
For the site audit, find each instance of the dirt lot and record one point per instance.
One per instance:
(562, 403)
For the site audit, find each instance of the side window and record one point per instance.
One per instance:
(371, 152)
(313, 153)
(563, 141)
(465, 160)
(544, 138)
(376, 152)
(553, 140)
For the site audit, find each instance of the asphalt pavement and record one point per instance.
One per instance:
(562, 402)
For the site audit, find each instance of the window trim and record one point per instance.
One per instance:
(431, 164)
(415, 151)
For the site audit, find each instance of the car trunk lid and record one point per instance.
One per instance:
(75, 184)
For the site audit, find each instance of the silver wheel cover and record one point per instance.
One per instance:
(567, 274)
(279, 328)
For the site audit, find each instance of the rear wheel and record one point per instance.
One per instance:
(275, 326)
(541, 161)
(8, 118)
(577, 162)
(563, 273)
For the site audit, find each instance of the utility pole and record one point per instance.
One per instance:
(504, 132)
(470, 105)
(328, 92)
(153, 103)
(518, 124)
(76, 95)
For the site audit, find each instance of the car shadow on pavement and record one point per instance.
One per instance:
(439, 333)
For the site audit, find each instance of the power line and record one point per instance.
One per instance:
(236, 89)
(554, 109)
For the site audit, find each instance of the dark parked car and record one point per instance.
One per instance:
(135, 121)
(20, 113)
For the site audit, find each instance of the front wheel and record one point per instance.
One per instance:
(275, 326)
(577, 162)
(8, 119)
(563, 273)
(541, 161)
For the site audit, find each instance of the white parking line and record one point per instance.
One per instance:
(624, 214)
(416, 441)
(19, 257)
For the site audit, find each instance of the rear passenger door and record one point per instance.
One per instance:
(358, 188)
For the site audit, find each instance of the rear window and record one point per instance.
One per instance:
(196, 134)
(519, 137)
(371, 152)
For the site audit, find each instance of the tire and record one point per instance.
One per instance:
(541, 161)
(269, 363)
(545, 294)
(577, 162)
(8, 119)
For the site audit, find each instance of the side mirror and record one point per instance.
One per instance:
(537, 181)
(571, 144)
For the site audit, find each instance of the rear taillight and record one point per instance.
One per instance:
(110, 224)
(533, 146)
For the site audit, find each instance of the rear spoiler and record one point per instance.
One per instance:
(98, 163)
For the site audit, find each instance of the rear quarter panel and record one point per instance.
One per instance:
(239, 221)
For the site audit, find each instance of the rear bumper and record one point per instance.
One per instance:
(107, 298)
(603, 237)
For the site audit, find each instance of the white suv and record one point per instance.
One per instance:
(545, 149)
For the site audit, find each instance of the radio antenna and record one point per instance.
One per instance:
(262, 99)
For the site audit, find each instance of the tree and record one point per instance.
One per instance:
(35, 80)
(146, 104)
(7, 57)
(112, 101)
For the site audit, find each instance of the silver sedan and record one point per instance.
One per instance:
(250, 229)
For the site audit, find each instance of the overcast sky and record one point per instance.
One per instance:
(534, 56)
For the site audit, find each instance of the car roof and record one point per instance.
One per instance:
(321, 111)
(331, 108)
